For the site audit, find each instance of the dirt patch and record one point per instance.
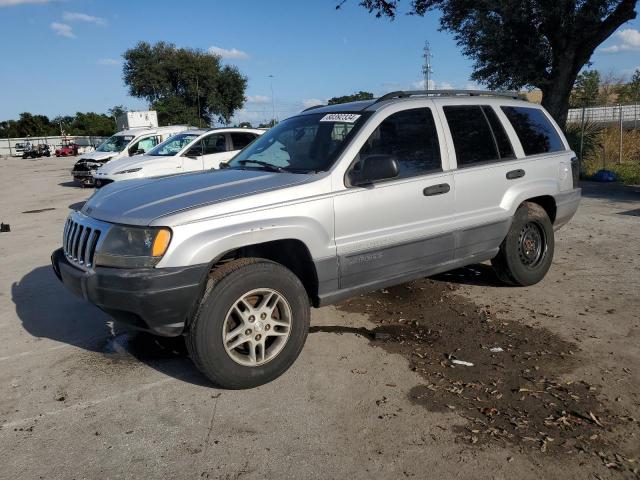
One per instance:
(513, 385)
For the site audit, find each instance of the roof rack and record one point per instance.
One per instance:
(448, 93)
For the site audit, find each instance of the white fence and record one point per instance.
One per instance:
(627, 114)
(7, 145)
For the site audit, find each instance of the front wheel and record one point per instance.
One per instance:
(526, 253)
(251, 324)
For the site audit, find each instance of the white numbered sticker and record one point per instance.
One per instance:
(340, 117)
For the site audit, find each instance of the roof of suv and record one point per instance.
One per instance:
(404, 96)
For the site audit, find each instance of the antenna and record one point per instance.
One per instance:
(427, 70)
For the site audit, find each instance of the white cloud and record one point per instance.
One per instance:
(110, 62)
(82, 17)
(11, 3)
(262, 99)
(630, 41)
(228, 53)
(311, 102)
(62, 29)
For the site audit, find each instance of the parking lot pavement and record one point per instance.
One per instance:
(81, 398)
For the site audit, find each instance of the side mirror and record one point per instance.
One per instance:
(374, 168)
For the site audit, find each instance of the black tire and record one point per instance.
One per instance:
(526, 252)
(226, 285)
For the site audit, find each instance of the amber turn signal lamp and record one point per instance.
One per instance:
(161, 242)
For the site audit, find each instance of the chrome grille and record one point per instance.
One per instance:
(81, 238)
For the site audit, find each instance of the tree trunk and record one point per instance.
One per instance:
(557, 90)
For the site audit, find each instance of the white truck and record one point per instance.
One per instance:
(127, 143)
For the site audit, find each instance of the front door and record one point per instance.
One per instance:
(398, 227)
(216, 150)
(192, 159)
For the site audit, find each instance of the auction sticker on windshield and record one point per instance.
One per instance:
(340, 117)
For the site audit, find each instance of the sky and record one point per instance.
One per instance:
(64, 56)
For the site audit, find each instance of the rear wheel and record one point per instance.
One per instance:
(526, 253)
(251, 324)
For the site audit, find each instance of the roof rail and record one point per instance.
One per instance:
(313, 107)
(449, 93)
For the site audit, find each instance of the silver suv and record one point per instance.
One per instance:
(335, 201)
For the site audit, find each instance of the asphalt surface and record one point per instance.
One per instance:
(82, 398)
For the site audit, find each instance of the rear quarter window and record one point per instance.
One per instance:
(535, 131)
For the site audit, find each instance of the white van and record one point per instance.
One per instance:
(124, 144)
(189, 151)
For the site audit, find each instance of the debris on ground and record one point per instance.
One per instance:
(4, 227)
(524, 396)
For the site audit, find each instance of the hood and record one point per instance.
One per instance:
(126, 163)
(139, 202)
(96, 156)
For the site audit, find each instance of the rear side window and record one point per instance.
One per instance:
(478, 135)
(534, 130)
(410, 136)
(242, 139)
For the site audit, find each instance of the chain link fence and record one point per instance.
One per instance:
(10, 147)
(607, 137)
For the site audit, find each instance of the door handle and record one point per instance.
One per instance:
(513, 174)
(436, 189)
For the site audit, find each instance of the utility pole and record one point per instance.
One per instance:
(273, 101)
(427, 70)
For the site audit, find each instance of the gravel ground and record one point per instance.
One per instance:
(376, 391)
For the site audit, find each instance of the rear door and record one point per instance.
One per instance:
(398, 227)
(485, 166)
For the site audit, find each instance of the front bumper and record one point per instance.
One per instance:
(566, 206)
(83, 177)
(158, 300)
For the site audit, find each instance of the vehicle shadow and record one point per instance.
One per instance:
(611, 191)
(48, 310)
(77, 205)
(479, 274)
(70, 184)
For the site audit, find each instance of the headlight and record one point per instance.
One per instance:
(133, 247)
(131, 170)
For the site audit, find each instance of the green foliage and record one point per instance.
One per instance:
(271, 123)
(515, 44)
(245, 125)
(183, 85)
(630, 93)
(29, 125)
(590, 138)
(351, 98)
(586, 89)
(117, 110)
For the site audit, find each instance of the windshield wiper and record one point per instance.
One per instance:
(267, 166)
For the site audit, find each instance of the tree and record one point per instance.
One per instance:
(183, 85)
(117, 110)
(586, 90)
(630, 93)
(351, 98)
(245, 125)
(91, 123)
(515, 44)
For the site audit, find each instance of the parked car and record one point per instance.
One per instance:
(20, 147)
(124, 144)
(190, 151)
(36, 151)
(67, 149)
(327, 204)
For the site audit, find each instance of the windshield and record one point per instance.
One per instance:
(306, 143)
(117, 143)
(173, 145)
